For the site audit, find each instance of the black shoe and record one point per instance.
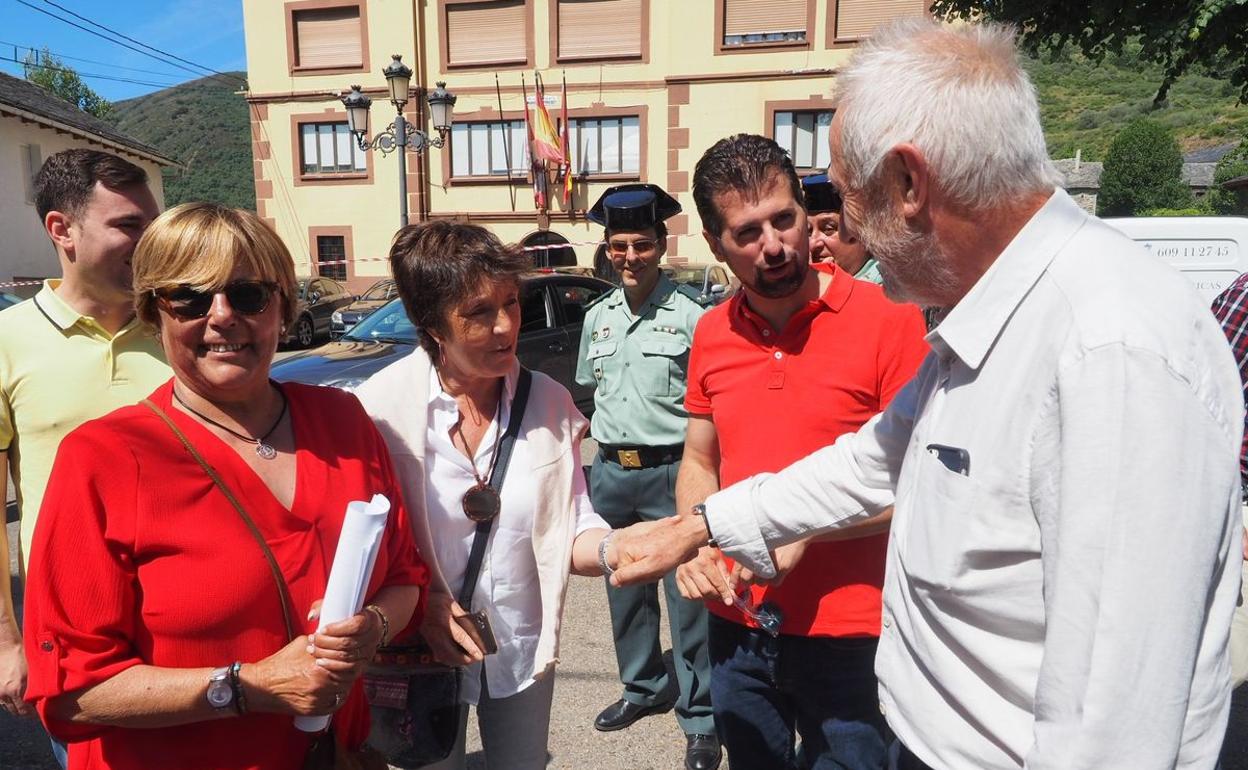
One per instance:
(702, 752)
(621, 714)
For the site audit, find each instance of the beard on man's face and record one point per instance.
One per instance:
(784, 285)
(913, 264)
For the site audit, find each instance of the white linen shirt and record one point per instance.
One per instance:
(1061, 576)
(507, 587)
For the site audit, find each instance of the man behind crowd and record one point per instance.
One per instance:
(634, 353)
(1231, 309)
(1064, 558)
(798, 357)
(828, 240)
(75, 351)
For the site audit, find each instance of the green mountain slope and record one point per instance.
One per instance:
(203, 125)
(1083, 105)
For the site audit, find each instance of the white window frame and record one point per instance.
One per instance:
(478, 149)
(804, 135)
(340, 140)
(609, 145)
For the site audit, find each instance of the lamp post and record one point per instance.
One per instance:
(400, 134)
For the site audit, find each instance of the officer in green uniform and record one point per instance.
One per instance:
(634, 353)
(823, 204)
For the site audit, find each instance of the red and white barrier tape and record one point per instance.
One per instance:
(544, 247)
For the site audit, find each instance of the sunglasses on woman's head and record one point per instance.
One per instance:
(247, 297)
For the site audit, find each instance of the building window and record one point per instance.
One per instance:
(804, 135)
(331, 248)
(606, 145)
(856, 18)
(329, 148)
(487, 33)
(481, 149)
(328, 38)
(32, 160)
(764, 22)
(600, 29)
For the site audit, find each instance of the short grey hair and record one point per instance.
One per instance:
(957, 93)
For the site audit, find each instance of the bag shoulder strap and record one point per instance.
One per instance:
(477, 555)
(283, 592)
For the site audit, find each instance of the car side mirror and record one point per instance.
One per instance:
(314, 297)
(718, 290)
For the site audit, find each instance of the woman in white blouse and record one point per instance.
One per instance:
(442, 410)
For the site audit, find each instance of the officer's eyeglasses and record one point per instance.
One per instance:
(246, 297)
(642, 247)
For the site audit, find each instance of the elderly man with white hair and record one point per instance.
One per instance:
(1064, 556)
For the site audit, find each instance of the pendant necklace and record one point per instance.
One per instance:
(264, 449)
(481, 503)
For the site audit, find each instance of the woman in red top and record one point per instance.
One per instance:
(155, 628)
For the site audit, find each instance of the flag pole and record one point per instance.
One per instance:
(498, 90)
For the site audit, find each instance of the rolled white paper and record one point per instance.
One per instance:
(358, 545)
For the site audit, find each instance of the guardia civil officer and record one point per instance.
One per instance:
(634, 353)
(827, 240)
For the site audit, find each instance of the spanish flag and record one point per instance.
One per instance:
(567, 156)
(546, 143)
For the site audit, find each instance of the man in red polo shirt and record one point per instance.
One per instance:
(802, 355)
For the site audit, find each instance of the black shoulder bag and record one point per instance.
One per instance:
(414, 699)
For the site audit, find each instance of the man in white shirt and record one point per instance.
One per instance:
(1064, 558)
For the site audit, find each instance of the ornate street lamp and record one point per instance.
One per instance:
(399, 134)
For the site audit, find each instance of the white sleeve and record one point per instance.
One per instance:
(836, 486)
(1134, 548)
(586, 516)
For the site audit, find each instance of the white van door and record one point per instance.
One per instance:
(1210, 251)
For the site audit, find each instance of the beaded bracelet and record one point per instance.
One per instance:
(385, 623)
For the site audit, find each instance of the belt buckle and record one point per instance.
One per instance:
(629, 458)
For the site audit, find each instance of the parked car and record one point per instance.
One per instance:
(552, 310)
(318, 299)
(377, 295)
(8, 300)
(711, 281)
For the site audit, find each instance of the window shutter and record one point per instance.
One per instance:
(759, 17)
(856, 18)
(599, 28)
(487, 33)
(329, 37)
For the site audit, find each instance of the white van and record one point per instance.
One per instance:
(1210, 251)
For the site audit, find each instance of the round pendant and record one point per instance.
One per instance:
(481, 503)
(265, 451)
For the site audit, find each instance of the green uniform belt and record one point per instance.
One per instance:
(637, 457)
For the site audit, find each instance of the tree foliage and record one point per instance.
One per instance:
(1178, 35)
(1233, 164)
(1143, 170)
(50, 73)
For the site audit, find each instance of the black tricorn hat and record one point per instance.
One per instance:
(821, 194)
(633, 207)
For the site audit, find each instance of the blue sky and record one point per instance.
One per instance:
(207, 32)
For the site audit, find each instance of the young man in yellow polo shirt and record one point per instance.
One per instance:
(75, 351)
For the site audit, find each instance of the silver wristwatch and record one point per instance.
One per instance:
(220, 693)
(700, 510)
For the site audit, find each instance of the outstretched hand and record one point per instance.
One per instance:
(647, 551)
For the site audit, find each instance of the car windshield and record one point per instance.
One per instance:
(378, 291)
(691, 276)
(389, 324)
